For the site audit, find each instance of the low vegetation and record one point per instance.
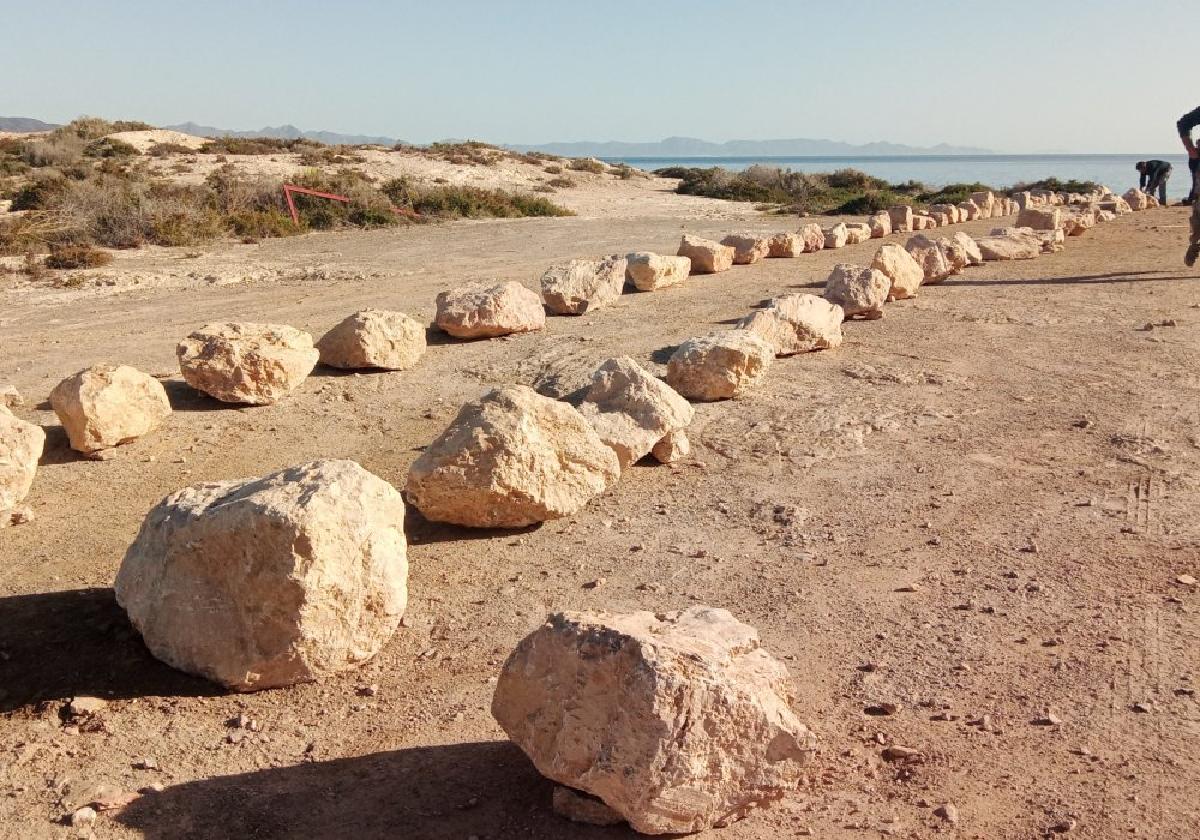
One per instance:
(1055, 185)
(844, 192)
(453, 202)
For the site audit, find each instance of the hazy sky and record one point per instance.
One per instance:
(1010, 75)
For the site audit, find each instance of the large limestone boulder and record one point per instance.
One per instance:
(922, 222)
(785, 245)
(720, 366)
(903, 272)
(836, 236)
(931, 257)
(580, 286)
(813, 236)
(968, 246)
(374, 338)
(1040, 218)
(954, 252)
(270, 581)
(948, 210)
(902, 218)
(1135, 198)
(1017, 245)
(255, 364)
(1116, 205)
(10, 397)
(857, 233)
(678, 722)
(21, 446)
(107, 405)
(631, 410)
(510, 459)
(798, 323)
(648, 272)
(487, 310)
(880, 224)
(747, 248)
(859, 290)
(1079, 222)
(986, 201)
(707, 257)
(969, 211)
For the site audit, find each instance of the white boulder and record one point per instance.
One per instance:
(487, 310)
(374, 338)
(107, 405)
(255, 364)
(719, 366)
(631, 410)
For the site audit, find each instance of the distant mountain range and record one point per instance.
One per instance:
(24, 124)
(285, 132)
(674, 147)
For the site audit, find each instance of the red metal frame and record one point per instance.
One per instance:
(288, 189)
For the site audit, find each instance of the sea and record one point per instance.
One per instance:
(1000, 171)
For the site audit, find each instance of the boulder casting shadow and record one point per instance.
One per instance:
(57, 645)
(448, 792)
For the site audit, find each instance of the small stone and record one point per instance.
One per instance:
(145, 764)
(1142, 708)
(1063, 826)
(1048, 719)
(898, 753)
(84, 817)
(1186, 580)
(947, 812)
(84, 706)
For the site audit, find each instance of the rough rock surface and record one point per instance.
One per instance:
(486, 310)
(785, 245)
(673, 447)
(1135, 198)
(813, 236)
(904, 273)
(954, 252)
(857, 233)
(1040, 218)
(10, 397)
(719, 366)
(930, 257)
(510, 459)
(798, 323)
(108, 405)
(648, 272)
(969, 247)
(881, 225)
(256, 364)
(902, 217)
(836, 236)
(374, 338)
(747, 248)
(631, 410)
(859, 290)
(1080, 222)
(969, 211)
(270, 581)
(1016, 245)
(707, 257)
(679, 722)
(20, 449)
(580, 286)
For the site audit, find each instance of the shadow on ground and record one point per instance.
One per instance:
(1117, 277)
(450, 792)
(57, 645)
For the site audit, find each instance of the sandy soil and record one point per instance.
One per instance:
(1012, 446)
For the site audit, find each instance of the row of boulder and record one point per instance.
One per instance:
(672, 722)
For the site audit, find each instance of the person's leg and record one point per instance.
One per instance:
(1193, 250)
(1162, 190)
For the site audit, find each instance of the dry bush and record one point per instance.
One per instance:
(553, 170)
(455, 202)
(592, 165)
(562, 183)
(168, 149)
(77, 256)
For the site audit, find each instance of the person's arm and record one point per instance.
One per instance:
(1185, 125)
(1142, 179)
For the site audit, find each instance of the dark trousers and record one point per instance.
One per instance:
(1159, 182)
(1194, 166)
(1195, 240)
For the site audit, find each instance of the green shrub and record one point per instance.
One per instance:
(952, 193)
(1055, 185)
(561, 183)
(588, 165)
(449, 202)
(258, 145)
(107, 147)
(167, 149)
(553, 170)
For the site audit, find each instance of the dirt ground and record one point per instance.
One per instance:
(976, 509)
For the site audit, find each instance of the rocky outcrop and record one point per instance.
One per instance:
(487, 310)
(631, 410)
(107, 405)
(580, 286)
(707, 257)
(271, 581)
(858, 290)
(720, 366)
(747, 248)
(903, 272)
(21, 446)
(649, 272)
(254, 364)
(374, 338)
(679, 722)
(797, 323)
(510, 459)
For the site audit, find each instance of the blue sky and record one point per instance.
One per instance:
(1010, 75)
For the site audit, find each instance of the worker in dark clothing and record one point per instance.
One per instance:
(1154, 175)
(1193, 165)
(1185, 125)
